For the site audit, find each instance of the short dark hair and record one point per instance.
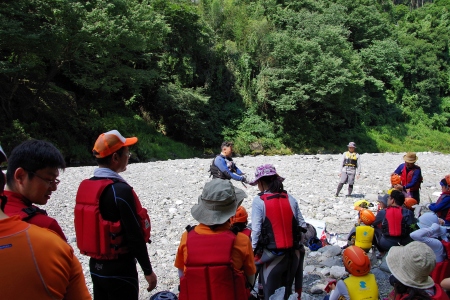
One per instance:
(226, 144)
(33, 155)
(105, 161)
(399, 197)
(274, 183)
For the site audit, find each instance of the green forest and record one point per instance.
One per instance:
(274, 77)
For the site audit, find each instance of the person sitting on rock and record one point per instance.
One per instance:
(239, 221)
(223, 166)
(393, 224)
(362, 234)
(361, 284)
(382, 202)
(442, 205)
(411, 266)
(435, 236)
(212, 247)
(276, 231)
(410, 175)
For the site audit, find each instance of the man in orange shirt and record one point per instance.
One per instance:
(213, 246)
(35, 262)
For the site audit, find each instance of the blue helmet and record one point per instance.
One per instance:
(164, 296)
(314, 243)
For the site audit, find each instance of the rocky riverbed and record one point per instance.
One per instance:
(168, 189)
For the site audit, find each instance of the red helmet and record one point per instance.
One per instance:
(240, 216)
(409, 202)
(356, 261)
(366, 216)
(395, 179)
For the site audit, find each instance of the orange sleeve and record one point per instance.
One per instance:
(242, 255)
(76, 290)
(181, 252)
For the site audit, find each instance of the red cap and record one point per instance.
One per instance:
(109, 142)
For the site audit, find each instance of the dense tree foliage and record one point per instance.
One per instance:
(274, 76)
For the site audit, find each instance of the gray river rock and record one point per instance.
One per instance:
(168, 189)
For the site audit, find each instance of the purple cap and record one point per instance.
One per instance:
(264, 170)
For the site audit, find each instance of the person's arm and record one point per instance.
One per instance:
(54, 226)
(445, 284)
(297, 213)
(340, 291)
(180, 256)
(379, 218)
(77, 289)
(399, 169)
(445, 203)
(220, 162)
(257, 219)
(415, 178)
(428, 236)
(341, 165)
(130, 225)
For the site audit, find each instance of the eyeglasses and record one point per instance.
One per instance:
(49, 182)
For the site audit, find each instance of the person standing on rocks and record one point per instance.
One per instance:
(111, 226)
(31, 178)
(223, 166)
(212, 247)
(411, 176)
(349, 168)
(276, 222)
(35, 262)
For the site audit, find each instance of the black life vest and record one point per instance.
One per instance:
(280, 228)
(215, 171)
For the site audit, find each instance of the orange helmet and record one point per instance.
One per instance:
(240, 216)
(356, 261)
(395, 179)
(366, 216)
(409, 202)
(447, 178)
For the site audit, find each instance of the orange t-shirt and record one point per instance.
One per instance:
(37, 264)
(241, 255)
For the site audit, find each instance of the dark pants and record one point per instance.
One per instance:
(415, 195)
(114, 279)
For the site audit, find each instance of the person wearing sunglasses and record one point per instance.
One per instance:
(31, 178)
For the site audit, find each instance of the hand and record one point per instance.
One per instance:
(244, 179)
(441, 221)
(152, 281)
(332, 286)
(357, 177)
(398, 187)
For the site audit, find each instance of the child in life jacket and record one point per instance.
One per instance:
(442, 205)
(361, 283)
(411, 266)
(362, 234)
(239, 221)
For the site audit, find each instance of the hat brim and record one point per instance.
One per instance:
(130, 141)
(212, 217)
(394, 262)
(352, 146)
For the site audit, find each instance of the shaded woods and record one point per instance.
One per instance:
(274, 76)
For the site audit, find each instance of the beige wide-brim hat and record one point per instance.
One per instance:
(412, 264)
(218, 202)
(410, 157)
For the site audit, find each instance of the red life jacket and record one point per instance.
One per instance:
(439, 295)
(407, 176)
(279, 225)
(395, 222)
(209, 273)
(97, 237)
(442, 269)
